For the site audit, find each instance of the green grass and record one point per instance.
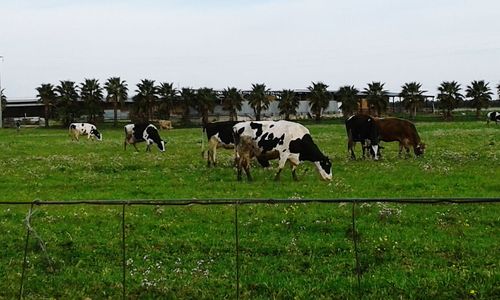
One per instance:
(302, 251)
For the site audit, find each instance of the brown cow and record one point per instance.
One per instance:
(165, 124)
(403, 131)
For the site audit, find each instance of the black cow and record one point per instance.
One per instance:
(362, 128)
(493, 116)
(143, 132)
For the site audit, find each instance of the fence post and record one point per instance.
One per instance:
(237, 237)
(28, 219)
(124, 263)
(355, 241)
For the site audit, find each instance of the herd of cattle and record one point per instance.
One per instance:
(281, 140)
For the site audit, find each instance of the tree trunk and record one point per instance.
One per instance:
(46, 116)
(115, 114)
(478, 113)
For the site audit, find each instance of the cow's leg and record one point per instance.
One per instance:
(294, 172)
(281, 165)
(350, 146)
(133, 144)
(213, 156)
(212, 146)
(247, 171)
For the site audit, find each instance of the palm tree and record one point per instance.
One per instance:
(146, 99)
(67, 102)
(47, 96)
(376, 97)
(319, 98)
(348, 96)
(188, 98)
(449, 96)
(498, 90)
(232, 101)
(413, 97)
(91, 94)
(117, 94)
(480, 94)
(288, 103)
(167, 93)
(259, 99)
(205, 102)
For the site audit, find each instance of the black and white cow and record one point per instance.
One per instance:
(363, 129)
(143, 132)
(220, 135)
(493, 116)
(283, 140)
(77, 129)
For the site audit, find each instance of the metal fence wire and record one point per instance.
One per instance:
(234, 202)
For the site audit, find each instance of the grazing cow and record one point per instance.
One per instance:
(362, 128)
(493, 116)
(145, 132)
(165, 124)
(77, 129)
(403, 131)
(219, 134)
(283, 140)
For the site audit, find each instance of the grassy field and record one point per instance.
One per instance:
(302, 251)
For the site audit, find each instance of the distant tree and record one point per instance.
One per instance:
(232, 101)
(449, 97)
(205, 102)
(91, 94)
(259, 99)
(480, 95)
(498, 90)
(117, 94)
(67, 102)
(167, 94)
(376, 97)
(188, 98)
(288, 103)
(413, 97)
(47, 96)
(319, 98)
(348, 96)
(145, 99)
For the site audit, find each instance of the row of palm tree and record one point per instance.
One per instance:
(413, 97)
(68, 101)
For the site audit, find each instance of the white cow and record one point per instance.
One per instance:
(287, 141)
(77, 129)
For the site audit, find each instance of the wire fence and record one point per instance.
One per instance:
(221, 202)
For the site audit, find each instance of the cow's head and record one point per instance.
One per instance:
(324, 167)
(153, 137)
(419, 149)
(95, 133)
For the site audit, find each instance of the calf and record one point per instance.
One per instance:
(165, 124)
(403, 131)
(135, 133)
(77, 129)
(493, 116)
(283, 140)
(362, 128)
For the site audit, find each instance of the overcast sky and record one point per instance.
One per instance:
(225, 43)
